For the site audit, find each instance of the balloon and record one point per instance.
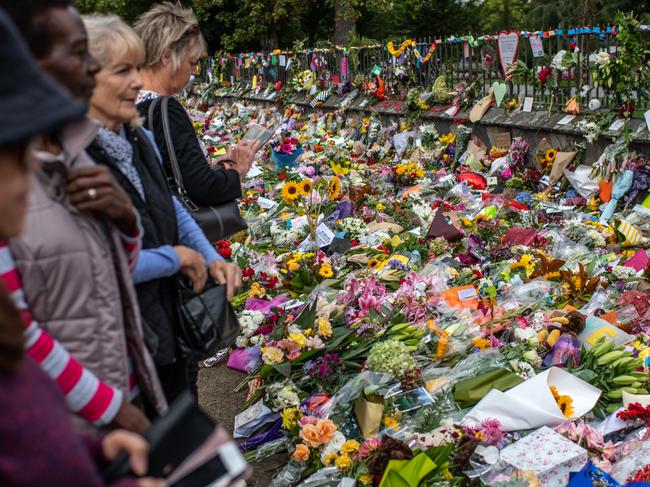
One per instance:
(475, 180)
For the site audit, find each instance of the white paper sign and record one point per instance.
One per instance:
(324, 235)
(465, 294)
(508, 44)
(567, 120)
(617, 125)
(282, 60)
(452, 111)
(254, 171)
(646, 115)
(266, 203)
(536, 46)
(528, 104)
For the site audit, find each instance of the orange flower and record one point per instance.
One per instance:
(326, 430)
(311, 436)
(302, 453)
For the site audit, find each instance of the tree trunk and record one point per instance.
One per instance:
(345, 17)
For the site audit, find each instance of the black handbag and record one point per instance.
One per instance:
(218, 221)
(208, 321)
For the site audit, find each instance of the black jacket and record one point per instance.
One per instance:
(204, 185)
(158, 299)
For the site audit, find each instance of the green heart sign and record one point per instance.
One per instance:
(499, 90)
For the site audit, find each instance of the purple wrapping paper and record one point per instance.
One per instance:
(271, 434)
(265, 306)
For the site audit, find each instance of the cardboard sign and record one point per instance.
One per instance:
(501, 139)
(508, 43)
(536, 46)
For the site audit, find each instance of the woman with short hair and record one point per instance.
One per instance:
(173, 48)
(172, 241)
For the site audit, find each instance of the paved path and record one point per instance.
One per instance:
(217, 399)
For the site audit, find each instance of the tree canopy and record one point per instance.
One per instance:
(250, 25)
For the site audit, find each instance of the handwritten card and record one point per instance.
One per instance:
(536, 46)
(528, 103)
(617, 125)
(566, 120)
(266, 203)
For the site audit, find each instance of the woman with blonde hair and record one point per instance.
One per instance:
(172, 241)
(173, 48)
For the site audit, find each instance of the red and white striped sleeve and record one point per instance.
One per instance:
(85, 394)
(132, 244)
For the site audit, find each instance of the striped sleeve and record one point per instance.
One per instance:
(132, 244)
(84, 392)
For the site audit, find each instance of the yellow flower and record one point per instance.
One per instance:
(390, 422)
(448, 139)
(380, 207)
(481, 343)
(334, 188)
(330, 459)
(293, 265)
(306, 186)
(365, 479)
(551, 275)
(550, 155)
(272, 355)
(338, 169)
(400, 170)
(343, 462)
(350, 446)
(479, 435)
(325, 270)
(565, 404)
(299, 338)
(256, 291)
(324, 327)
(290, 192)
(290, 418)
(465, 221)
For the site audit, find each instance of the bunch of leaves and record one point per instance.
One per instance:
(613, 370)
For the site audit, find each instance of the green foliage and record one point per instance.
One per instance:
(250, 25)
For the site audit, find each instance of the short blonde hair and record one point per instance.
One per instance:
(109, 37)
(169, 26)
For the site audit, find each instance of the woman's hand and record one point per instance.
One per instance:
(227, 274)
(93, 188)
(192, 266)
(242, 156)
(138, 450)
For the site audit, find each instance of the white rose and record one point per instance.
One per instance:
(523, 334)
(241, 342)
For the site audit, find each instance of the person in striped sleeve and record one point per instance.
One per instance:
(69, 272)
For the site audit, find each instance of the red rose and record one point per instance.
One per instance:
(225, 252)
(544, 74)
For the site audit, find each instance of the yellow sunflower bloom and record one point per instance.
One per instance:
(306, 186)
(334, 188)
(565, 404)
(550, 155)
(290, 192)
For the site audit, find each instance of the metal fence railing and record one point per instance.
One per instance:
(459, 61)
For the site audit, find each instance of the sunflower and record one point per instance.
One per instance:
(550, 156)
(306, 186)
(290, 192)
(565, 403)
(334, 188)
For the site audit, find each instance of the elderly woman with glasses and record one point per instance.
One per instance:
(173, 48)
(173, 244)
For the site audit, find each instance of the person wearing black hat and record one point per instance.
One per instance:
(34, 422)
(80, 243)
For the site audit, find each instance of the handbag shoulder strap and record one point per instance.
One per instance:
(169, 143)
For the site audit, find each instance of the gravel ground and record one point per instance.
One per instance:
(216, 397)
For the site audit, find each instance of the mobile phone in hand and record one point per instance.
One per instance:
(259, 134)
